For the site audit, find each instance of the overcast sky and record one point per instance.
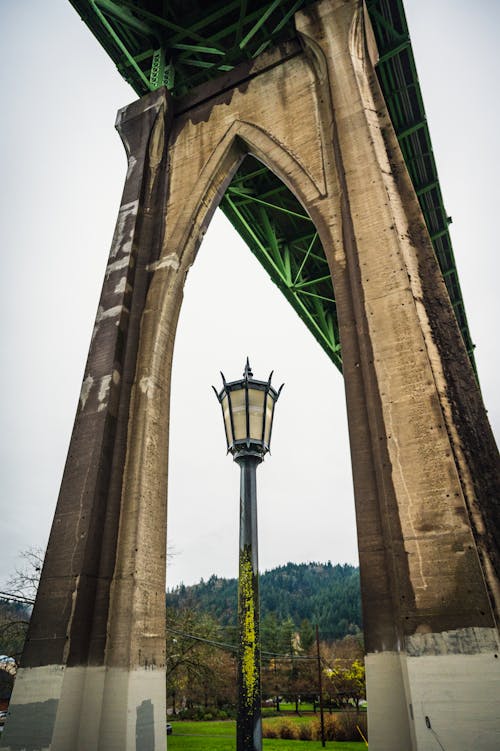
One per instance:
(62, 171)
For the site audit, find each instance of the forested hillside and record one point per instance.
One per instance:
(320, 593)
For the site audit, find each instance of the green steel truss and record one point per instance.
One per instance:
(182, 44)
(282, 236)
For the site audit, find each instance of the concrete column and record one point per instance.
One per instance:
(61, 688)
(425, 464)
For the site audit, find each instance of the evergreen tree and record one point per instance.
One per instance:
(321, 593)
(307, 635)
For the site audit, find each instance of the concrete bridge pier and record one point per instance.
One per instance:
(92, 672)
(425, 466)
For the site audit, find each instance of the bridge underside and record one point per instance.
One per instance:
(187, 46)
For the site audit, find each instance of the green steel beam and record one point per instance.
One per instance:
(203, 64)
(377, 16)
(411, 129)
(248, 228)
(157, 74)
(241, 18)
(441, 233)
(262, 20)
(288, 16)
(116, 39)
(123, 15)
(219, 14)
(272, 243)
(384, 56)
(315, 295)
(278, 260)
(275, 206)
(312, 282)
(426, 188)
(197, 48)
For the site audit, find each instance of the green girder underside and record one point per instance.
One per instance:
(182, 44)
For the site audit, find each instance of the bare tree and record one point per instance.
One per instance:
(12, 635)
(16, 603)
(22, 586)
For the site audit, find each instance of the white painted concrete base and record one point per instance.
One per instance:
(456, 701)
(86, 709)
(428, 702)
(134, 711)
(88, 730)
(389, 725)
(33, 709)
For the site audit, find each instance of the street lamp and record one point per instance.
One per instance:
(248, 411)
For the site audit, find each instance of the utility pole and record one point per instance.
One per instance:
(320, 684)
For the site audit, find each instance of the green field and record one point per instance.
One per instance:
(305, 706)
(221, 736)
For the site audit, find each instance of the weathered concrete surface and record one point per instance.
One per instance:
(71, 619)
(425, 465)
(33, 708)
(390, 723)
(47, 710)
(412, 400)
(453, 701)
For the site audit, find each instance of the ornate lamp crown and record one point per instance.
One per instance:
(248, 411)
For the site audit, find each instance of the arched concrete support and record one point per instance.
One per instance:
(417, 547)
(423, 524)
(424, 461)
(58, 696)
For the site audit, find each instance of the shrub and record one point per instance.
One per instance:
(305, 732)
(285, 729)
(227, 712)
(200, 713)
(288, 731)
(363, 725)
(269, 731)
(315, 730)
(191, 713)
(349, 723)
(331, 728)
(341, 727)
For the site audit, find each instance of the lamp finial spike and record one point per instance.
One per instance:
(248, 370)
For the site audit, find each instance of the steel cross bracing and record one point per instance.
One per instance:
(181, 44)
(282, 236)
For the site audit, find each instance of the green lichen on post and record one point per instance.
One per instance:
(248, 725)
(249, 648)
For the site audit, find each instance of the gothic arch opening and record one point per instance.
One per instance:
(231, 309)
(282, 236)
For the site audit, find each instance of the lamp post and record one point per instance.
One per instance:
(248, 410)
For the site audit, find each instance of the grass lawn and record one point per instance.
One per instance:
(304, 706)
(221, 736)
(296, 719)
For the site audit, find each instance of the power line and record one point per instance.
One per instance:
(234, 647)
(9, 597)
(220, 645)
